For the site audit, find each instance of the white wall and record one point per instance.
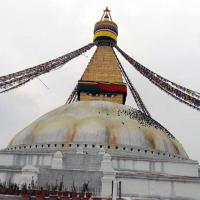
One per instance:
(173, 168)
(159, 188)
(6, 159)
(183, 169)
(22, 159)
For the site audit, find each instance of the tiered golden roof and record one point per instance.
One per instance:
(103, 67)
(103, 70)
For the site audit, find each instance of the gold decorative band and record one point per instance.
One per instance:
(105, 33)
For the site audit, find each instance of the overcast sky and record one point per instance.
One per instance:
(164, 35)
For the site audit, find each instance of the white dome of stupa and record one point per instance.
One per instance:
(99, 122)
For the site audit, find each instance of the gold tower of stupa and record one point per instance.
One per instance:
(102, 79)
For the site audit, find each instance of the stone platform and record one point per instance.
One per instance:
(140, 172)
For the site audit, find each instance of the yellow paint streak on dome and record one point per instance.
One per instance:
(112, 135)
(175, 146)
(70, 137)
(150, 138)
(46, 125)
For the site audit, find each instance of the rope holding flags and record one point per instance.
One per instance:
(180, 93)
(73, 96)
(134, 92)
(17, 79)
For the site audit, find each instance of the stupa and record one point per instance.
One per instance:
(117, 150)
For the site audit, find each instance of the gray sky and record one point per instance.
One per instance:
(164, 35)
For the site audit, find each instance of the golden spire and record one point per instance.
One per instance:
(102, 79)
